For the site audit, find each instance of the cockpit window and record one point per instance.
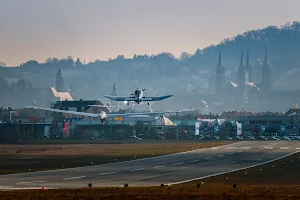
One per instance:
(137, 93)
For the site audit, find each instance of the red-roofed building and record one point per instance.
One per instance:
(61, 96)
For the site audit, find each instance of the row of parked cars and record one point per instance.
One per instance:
(271, 137)
(251, 137)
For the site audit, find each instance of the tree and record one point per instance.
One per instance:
(2, 64)
(78, 63)
(52, 60)
(30, 64)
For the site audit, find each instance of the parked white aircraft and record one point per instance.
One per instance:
(102, 115)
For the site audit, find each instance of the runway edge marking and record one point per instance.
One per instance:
(119, 162)
(221, 173)
(72, 178)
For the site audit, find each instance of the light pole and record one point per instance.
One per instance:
(10, 112)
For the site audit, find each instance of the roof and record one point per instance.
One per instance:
(61, 95)
(163, 121)
(246, 113)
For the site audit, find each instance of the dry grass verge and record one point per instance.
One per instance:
(24, 158)
(206, 192)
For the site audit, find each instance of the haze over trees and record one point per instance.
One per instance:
(163, 73)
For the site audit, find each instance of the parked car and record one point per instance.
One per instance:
(239, 137)
(275, 138)
(251, 137)
(216, 137)
(263, 137)
(296, 137)
(134, 137)
(286, 138)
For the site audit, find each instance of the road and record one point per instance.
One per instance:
(166, 169)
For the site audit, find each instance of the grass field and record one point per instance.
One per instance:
(284, 172)
(205, 192)
(278, 180)
(37, 157)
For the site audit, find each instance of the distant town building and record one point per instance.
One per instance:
(60, 81)
(246, 94)
(60, 96)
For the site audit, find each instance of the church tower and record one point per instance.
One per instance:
(115, 93)
(266, 73)
(248, 68)
(241, 72)
(220, 75)
(60, 81)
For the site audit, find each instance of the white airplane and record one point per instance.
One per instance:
(138, 97)
(205, 103)
(102, 115)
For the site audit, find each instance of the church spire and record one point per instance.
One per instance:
(247, 58)
(266, 62)
(220, 75)
(241, 71)
(266, 73)
(242, 59)
(248, 67)
(220, 59)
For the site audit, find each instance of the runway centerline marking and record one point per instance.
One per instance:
(108, 173)
(220, 155)
(133, 170)
(284, 147)
(208, 158)
(31, 182)
(180, 163)
(269, 147)
(72, 178)
(159, 166)
(230, 148)
(231, 153)
(24, 182)
(192, 161)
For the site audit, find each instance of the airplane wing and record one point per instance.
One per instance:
(98, 115)
(65, 111)
(140, 114)
(156, 98)
(120, 98)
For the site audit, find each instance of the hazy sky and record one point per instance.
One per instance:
(99, 29)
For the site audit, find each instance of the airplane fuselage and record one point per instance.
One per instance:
(138, 94)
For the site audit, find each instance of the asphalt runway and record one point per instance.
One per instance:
(168, 169)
